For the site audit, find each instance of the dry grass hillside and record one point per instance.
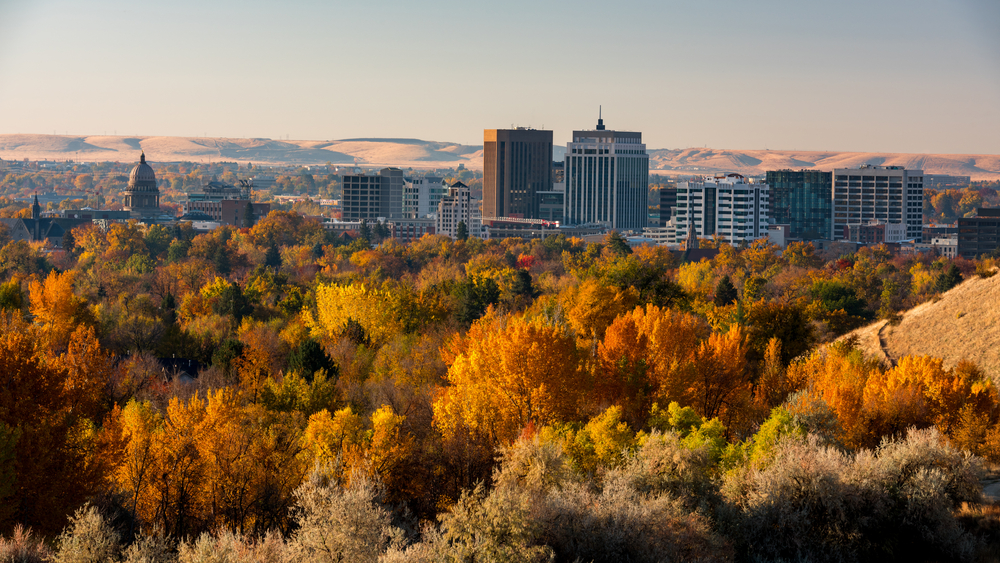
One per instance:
(752, 162)
(432, 154)
(963, 323)
(373, 152)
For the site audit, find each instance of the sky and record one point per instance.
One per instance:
(852, 75)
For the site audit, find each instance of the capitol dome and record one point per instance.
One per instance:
(142, 199)
(142, 176)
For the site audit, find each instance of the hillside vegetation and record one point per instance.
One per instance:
(962, 324)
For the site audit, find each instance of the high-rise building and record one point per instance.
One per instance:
(517, 165)
(668, 201)
(421, 196)
(730, 206)
(373, 196)
(607, 177)
(142, 197)
(459, 207)
(802, 199)
(886, 193)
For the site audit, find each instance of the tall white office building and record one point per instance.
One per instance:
(421, 196)
(459, 207)
(607, 177)
(890, 194)
(731, 206)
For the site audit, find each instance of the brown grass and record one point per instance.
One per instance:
(963, 323)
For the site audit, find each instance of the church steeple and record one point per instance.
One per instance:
(36, 210)
(692, 240)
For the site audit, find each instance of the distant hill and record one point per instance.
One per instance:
(753, 162)
(370, 152)
(417, 153)
(963, 323)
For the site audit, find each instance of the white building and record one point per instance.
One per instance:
(458, 207)
(422, 195)
(890, 194)
(730, 206)
(607, 177)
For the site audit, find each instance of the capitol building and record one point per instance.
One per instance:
(142, 197)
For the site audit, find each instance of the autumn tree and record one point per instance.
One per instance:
(520, 371)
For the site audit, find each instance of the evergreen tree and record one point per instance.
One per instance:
(248, 216)
(725, 292)
(309, 357)
(272, 257)
(949, 279)
(618, 245)
(364, 231)
(462, 232)
(522, 284)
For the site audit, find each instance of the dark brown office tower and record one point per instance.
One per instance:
(518, 164)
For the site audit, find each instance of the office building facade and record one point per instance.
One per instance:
(803, 200)
(978, 235)
(421, 196)
(372, 196)
(607, 177)
(459, 207)
(517, 164)
(730, 206)
(668, 201)
(884, 193)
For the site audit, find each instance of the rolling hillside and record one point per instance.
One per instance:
(963, 323)
(432, 154)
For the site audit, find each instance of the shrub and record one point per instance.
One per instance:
(817, 503)
(89, 538)
(21, 547)
(342, 524)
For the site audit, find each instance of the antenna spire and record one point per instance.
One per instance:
(600, 121)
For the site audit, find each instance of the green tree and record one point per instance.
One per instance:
(949, 279)
(725, 292)
(462, 232)
(248, 216)
(617, 244)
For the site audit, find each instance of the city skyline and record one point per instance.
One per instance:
(915, 77)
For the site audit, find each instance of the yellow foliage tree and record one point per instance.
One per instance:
(520, 371)
(56, 308)
(372, 308)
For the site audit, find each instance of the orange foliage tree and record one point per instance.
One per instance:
(519, 371)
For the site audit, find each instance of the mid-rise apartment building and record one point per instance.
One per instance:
(517, 164)
(801, 199)
(372, 196)
(885, 193)
(459, 207)
(731, 206)
(607, 177)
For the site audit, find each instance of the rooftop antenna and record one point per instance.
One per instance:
(600, 121)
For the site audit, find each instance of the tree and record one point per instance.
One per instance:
(949, 278)
(617, 245)
(462, 231)
(725, 292)
(519, 371)
(272, 258)
(248, 216)
(475, 294)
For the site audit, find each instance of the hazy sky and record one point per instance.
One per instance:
(867, 75)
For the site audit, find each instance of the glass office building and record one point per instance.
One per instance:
(802, 199)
